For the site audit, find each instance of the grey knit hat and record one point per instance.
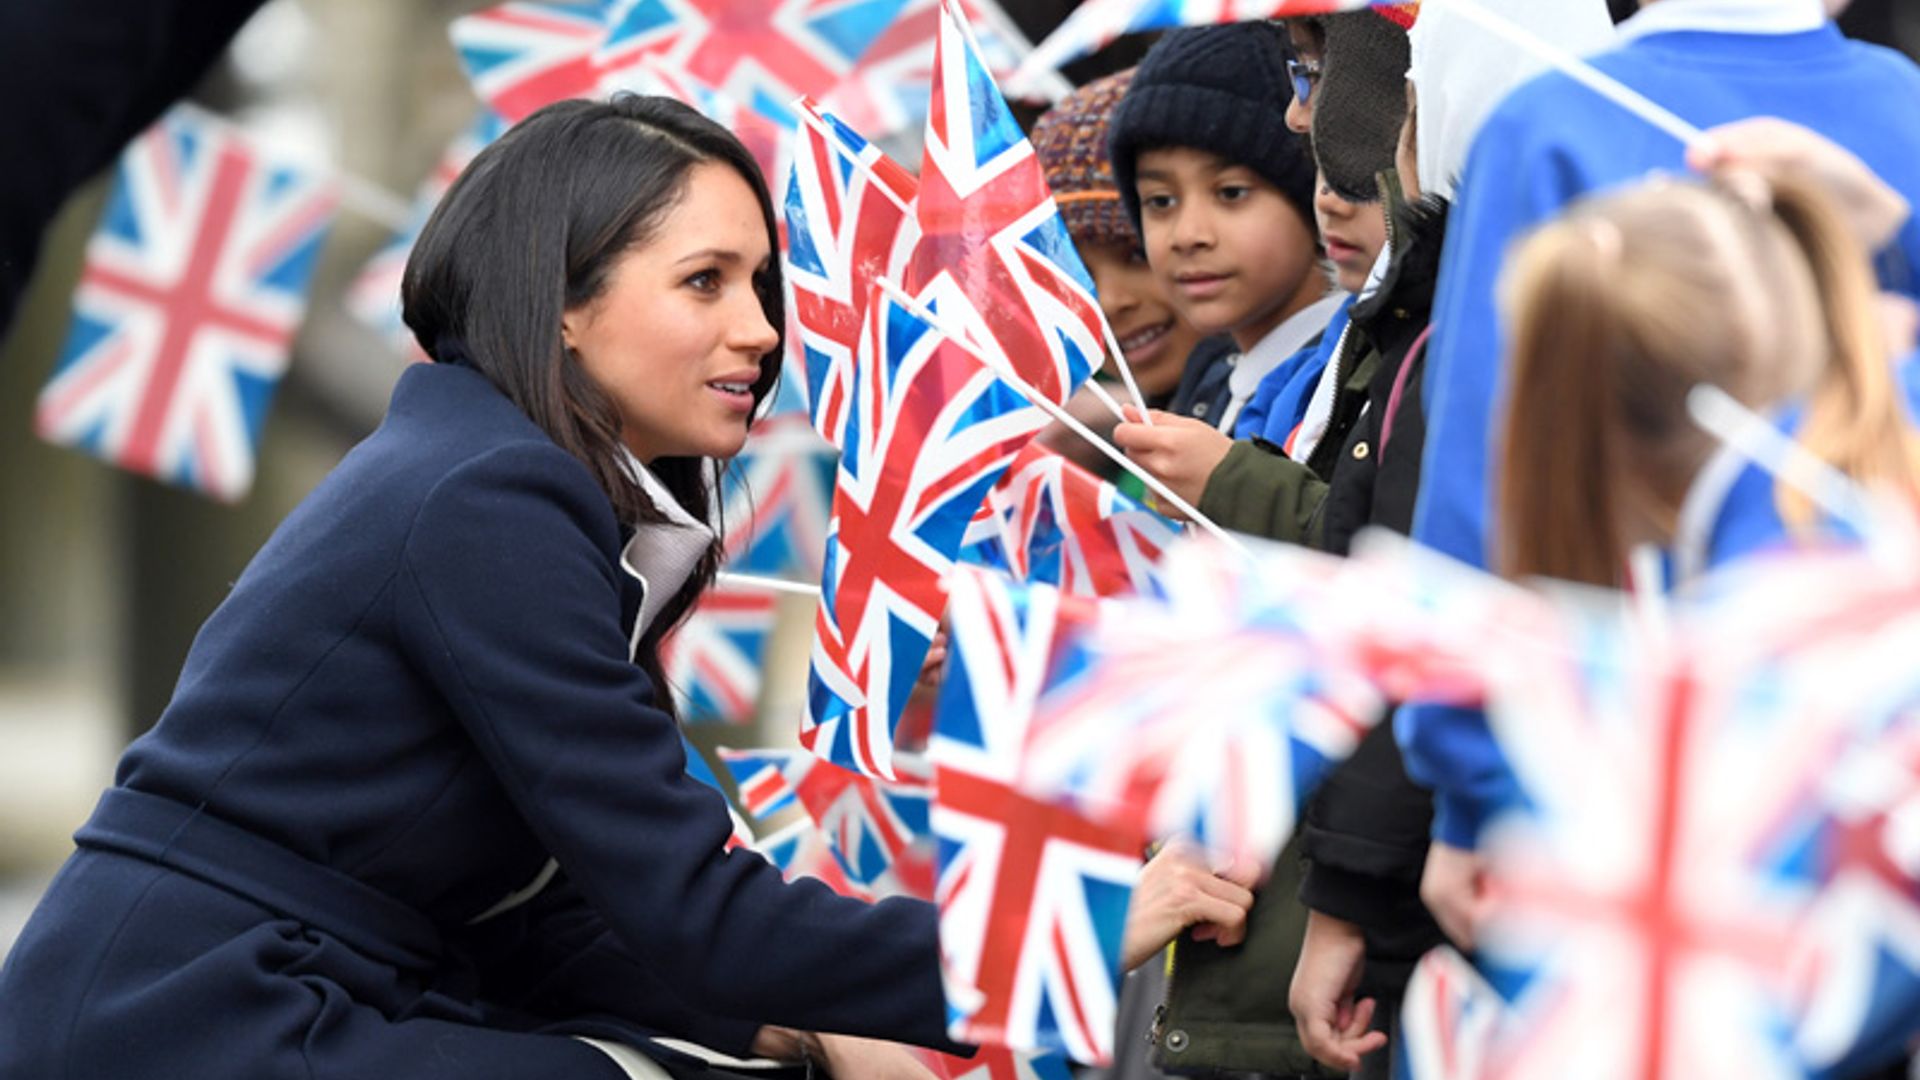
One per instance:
(1361, 101)
(1223, 89)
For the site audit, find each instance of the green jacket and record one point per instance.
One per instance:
(1226, 1009)
(1258, 490)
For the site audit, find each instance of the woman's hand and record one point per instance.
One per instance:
(1774, 147)
(1180, 451)
(1333, 1027)
(850, 1057)
(1177, 889)
(1453, 887)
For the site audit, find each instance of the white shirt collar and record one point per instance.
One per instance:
(1726, 17)
(1271, 351)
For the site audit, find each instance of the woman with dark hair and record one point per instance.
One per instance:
(419, 806)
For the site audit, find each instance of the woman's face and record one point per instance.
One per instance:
(676, 337)
(1156, 341)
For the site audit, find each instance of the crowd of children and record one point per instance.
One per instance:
(1430, 287)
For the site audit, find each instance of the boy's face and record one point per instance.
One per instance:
(1230, 251)
(1154, 338)
(1353, 234)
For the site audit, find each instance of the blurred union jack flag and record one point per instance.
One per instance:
(930, 429)
(849, 219)
(193, 287)
(1208, 716)
(524, 55)
(1033, 898)
(374, 295)
(887, 89)
(1052, 522)
(871, 826)
(777, 495)
(764, 53)
(1096, 23)
(994, 259)
(800, 850)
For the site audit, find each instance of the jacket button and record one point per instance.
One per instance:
(1360, 451)
(1176, 1040)
(1200, 410)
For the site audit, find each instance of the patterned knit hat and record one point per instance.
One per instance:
(1223, 89)
(1071, 140)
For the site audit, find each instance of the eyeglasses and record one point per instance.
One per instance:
(1304, 74)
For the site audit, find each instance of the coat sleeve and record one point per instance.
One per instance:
(1261, 492)
(509, 603)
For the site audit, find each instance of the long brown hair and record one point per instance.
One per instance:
(532, 229)
(1618, 309)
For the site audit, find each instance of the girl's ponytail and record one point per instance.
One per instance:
(1855, 419)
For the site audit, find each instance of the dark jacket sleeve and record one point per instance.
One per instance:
(508, 601)
(1260, 491)
(555, 958)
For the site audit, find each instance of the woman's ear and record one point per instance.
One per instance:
(571, 322)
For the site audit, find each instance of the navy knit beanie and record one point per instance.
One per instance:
(1223, 89)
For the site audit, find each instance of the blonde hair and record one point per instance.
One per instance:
(1619, 308)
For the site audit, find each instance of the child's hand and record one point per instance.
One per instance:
(1176, 890)
(1178, 450)
(1453, 887)
(1774, 147)
(1333, 1025)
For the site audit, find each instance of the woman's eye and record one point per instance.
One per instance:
(705, 280)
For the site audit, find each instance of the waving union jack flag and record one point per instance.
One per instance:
(1095, 24)
(1033, 898)
(374, 295)
(849, 221)
(1051, 522)
(191, 293)
(871, 826)
(994, 258)
(930, 429)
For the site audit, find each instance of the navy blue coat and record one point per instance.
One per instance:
(417, 694)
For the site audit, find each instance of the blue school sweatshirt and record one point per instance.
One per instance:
(1550, 142)
(1279, 403)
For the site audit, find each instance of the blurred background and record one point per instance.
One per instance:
(105, 577)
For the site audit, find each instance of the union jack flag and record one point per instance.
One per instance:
(1033, 898)
(871, 826)
(525, 55)
(185, 314)
(887, 89)
(764, 53)
(777, 497)
(930, 429)
(1095, 24)
(849, 222)
(1448, 1020)
(1669, 847)
(374, 295)
(1051, 522)
(994, 258)
(1210, 717)
(800, 850)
